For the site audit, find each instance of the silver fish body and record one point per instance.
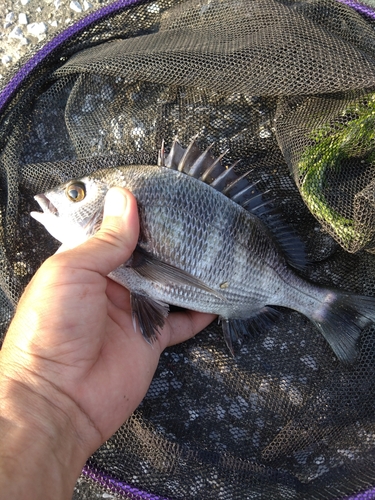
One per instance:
(201, 250)
(198, 229)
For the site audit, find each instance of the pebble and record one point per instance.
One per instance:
(6, 59)
(57, 3)
(24, 2)
(37, 29)
(9, 19)
(22, 18)
(16, 33)
(76, 6)
(87, 5)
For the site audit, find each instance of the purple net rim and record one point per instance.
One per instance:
(117, 487)
(126, 491)
(365, 495)
(7, 93)
(359, 7)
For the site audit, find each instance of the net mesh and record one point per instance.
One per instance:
(288, 87)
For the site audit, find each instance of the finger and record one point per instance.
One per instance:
(115, 241)
(182, 326)
(63, 248)
(118, 295)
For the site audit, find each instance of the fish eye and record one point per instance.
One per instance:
(75, 191)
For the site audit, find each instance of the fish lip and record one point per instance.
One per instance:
(46, 205)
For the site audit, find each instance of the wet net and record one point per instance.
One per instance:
(288, 87)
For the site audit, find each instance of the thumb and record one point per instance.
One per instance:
(117, 237)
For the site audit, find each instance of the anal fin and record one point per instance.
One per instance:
(232, 329)
(235, 330)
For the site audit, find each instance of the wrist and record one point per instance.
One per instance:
(38, 441)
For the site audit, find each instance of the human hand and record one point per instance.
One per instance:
(71, 351)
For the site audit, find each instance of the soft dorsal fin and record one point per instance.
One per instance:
(211, 171)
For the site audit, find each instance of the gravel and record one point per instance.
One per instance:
(24, 23)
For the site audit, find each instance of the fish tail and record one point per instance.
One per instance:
(341, 317)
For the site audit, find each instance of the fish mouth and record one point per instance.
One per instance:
(46, 205)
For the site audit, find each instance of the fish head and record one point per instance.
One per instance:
(73, 211)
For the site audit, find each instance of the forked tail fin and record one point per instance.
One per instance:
(341, 319)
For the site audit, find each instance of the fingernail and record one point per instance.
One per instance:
(115, 203)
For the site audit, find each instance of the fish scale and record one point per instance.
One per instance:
(200, 250)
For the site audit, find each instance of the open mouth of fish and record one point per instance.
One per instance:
(46, 205)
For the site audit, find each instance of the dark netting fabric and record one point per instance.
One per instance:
(288, 87)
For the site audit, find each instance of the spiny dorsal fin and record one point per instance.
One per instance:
(175, 155)
(205, 167)
(210, 170)
(192, 153)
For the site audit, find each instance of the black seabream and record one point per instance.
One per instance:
(203, 247)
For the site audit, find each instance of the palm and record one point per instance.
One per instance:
(73, 334)
(86, 343)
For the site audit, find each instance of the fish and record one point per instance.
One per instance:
(207, 243)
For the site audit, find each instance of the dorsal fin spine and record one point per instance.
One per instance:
(235, 182)
(258, 195)
(207, 172)
(175, 154)
(196, 169)
(188, 151)
(243, 192)
(161, 155)
(220, 181)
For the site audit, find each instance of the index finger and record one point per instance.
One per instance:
(181, 326)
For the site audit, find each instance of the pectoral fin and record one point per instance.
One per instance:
(158, 271)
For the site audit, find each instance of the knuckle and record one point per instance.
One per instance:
(111, 236)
